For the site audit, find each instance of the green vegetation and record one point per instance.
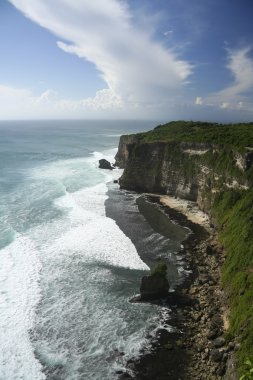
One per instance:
(249, 372)
(233, 210)
(159, 270)
(222, 162)
(224, 143)
(236, 135)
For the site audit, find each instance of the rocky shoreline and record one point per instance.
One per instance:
(193, 347)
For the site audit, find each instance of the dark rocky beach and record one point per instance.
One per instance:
(189, 343)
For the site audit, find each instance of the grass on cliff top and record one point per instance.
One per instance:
(233, 211)
(238, 135)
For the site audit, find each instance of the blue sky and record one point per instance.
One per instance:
(130, 59)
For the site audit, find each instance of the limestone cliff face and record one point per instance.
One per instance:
(192, 171)
(122, 155)
(245, 161)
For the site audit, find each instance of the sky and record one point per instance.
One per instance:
(126, 59)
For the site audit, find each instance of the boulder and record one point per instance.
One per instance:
(219, 342)
(104, 164)
(216, 355)
(210, 250)
(156, 284)
(212, 334)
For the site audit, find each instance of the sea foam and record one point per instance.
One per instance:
(84, 226)
(45, 256)
(97, 237)
(19, 273)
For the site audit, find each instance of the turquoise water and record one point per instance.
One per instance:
(67, 270)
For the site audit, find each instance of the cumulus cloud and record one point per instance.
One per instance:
(50, 104)
(241, 67)
(47, 96)
(136, 68)
(199, 101)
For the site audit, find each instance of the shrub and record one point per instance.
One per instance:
(249, 374)
(160, 269)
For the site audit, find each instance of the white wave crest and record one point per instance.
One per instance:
(19, 273)
(92, 234)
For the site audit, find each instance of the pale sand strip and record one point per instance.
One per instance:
(189, 209)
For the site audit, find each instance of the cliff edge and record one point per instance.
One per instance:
(210, 164)
(161, 162)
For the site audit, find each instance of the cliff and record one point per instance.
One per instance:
(192, 170)
(212, 165)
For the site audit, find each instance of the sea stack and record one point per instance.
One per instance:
(155, 285)
(104, 164)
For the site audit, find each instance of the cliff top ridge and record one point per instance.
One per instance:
(238, 135)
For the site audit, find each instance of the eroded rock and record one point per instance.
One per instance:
(104, 164)
(156, 285)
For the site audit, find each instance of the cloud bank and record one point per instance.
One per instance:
(241, 67)
(234, 96)
(142, 77)
(136, 69)
(23, 104)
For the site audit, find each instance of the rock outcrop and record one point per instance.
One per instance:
(123, 150)
(188, 170)
(156, 285)
(104, 164)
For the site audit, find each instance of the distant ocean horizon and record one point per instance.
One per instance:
(66, 269)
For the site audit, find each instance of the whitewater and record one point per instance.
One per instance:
(72, 252)
(67, 270)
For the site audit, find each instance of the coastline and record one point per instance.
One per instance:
(194, 348)
(189, 209)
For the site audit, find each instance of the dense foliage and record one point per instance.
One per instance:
(248, 375)
(237, 135)
(233, 211)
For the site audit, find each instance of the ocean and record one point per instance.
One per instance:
(73, 248)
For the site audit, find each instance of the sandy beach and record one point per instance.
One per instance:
(189, 209)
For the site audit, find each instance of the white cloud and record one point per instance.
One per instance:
(168, 33)
(104, 99)
(224, 105)
(199, 101)
(47, 96)
(240, 105)
(22, 103)
(7, 92)
(241, 67)
(136, 69)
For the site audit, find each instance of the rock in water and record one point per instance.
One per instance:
(156, 285)
(104, 164)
